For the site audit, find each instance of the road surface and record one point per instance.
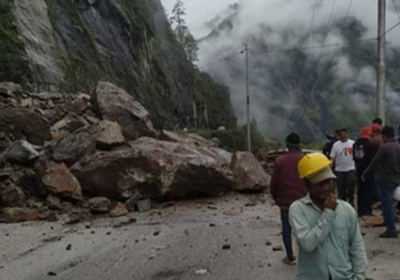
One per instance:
(227, 238)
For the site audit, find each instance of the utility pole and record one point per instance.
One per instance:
(246, 49)
(381, 80)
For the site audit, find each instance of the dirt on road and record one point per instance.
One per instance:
(234, 237)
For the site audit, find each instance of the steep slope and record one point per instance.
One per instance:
(69, 45)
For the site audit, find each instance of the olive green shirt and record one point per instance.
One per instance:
(330, 242)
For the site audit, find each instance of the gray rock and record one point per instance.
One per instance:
(75, 146)
(115, 104)
(131, 203)
(248, 173)
(8, 88)
(35, 29)
(154, 169)
(20, 151)
(144, 205)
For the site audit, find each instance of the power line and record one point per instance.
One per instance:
(397, 9)
(308, 39)
(325, 46)
(312, 22)
(390, 29)
(222, 59)
(268, 52)
(327, 31)
(338, 40)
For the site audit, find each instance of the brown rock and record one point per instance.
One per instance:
(248, 173)
(110, 135)
(17, 215)
(77, 106)
(374, 221)
(57, 179)
(77, 145)
(70, 123)
(119, 210)
(153, 169)
(115, 104)
(12, 196)
(187, 138)
(100, 205)
(26, 124)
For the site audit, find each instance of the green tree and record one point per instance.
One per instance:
(178, 21)
(182, 32)
(191, 47)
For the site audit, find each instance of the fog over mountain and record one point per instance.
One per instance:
(311, 68)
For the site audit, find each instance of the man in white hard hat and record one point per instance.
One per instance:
(327, 230)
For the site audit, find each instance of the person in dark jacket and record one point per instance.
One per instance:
(387, 165)
(375, 143)
(332, 139)
(362, 151)
(287, 187)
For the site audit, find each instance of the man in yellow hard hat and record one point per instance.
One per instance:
(327, 230)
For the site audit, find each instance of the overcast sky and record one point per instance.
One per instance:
(198, 12)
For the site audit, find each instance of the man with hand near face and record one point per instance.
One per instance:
(327, 231)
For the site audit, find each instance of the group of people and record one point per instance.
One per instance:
(316, 193)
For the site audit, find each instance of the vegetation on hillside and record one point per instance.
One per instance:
(13, 65)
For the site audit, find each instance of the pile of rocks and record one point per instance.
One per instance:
(88, 154)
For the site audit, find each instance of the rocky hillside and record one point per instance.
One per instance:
(69, 45)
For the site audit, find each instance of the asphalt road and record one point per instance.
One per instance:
(223, 239)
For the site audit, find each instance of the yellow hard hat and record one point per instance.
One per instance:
(312, 163)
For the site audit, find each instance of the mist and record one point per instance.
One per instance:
(283, 84)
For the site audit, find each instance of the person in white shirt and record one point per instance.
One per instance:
(344, 166)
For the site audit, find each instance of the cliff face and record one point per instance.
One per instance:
(69, 45)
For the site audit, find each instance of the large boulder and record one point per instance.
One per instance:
(24, 124)
(154, 169)
(76, 145)
(110, 135)
(224, 156)
(248, 173)
(186, 138)
(20, 151)
(57, 179)
(115, 104)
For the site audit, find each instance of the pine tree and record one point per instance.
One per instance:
(183, 35)
(178, 20)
